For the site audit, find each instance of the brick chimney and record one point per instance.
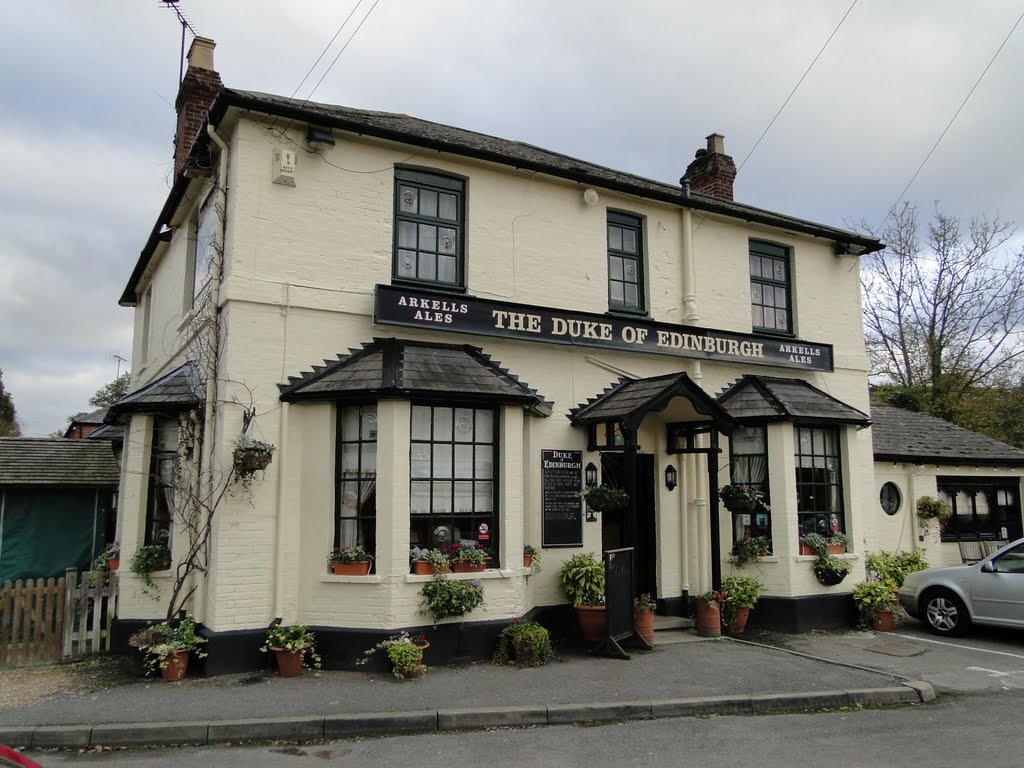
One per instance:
(711, 172)
(198, 89)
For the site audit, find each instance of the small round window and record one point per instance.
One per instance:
(889, 498)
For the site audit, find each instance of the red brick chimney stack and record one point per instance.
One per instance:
(198, 89)
(712, 172)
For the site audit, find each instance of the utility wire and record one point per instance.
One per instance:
(372, 7)
(795, 87)
(326, 48)
(945, 130)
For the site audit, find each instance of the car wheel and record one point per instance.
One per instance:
(945, 613)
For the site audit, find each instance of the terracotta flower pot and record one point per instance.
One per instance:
(460, 567)
(882, 622)
(174, 665)
(289, 663)
(352, 569)
(643, 623)
(709, 619)
(836, 549)
(422, 568)
(739, 622)
(113, 563)
(593, 621)
(527, 561)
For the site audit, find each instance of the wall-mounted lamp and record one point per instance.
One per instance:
(591, 475)
(671, 477)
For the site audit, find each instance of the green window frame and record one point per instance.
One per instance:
(770, 293)
(453, 477)
(356, 478)
(429, 229)
(748, 465)
(819, 481)
(625, 263)
(163, 477)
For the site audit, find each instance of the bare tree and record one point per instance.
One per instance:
(944, 314)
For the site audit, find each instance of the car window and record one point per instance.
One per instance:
(1011, 561)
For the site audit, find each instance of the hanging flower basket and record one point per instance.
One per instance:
(742, 499)
(251, 455)
(604, 498)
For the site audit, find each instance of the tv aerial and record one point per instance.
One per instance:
(186, 26)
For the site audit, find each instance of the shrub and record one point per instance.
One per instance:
(525, 642)
(892, 567)
(444, 597)
(582, 578)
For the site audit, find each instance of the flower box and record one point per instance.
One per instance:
(351, 569)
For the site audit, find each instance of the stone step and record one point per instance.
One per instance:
(671, 623)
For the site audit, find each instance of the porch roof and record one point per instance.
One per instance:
(629, 400)
(174, 392)
(762, 399)
(398, 368)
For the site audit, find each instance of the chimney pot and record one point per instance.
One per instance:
(200, 53)
(716, 144)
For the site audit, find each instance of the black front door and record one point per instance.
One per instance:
(617, 529)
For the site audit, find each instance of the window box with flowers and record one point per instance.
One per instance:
(426, 562)
(467, 557)
(350, 561)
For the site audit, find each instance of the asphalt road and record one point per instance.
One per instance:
(956, 731)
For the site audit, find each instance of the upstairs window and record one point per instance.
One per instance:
(770, 308)
(429, 224)
(625, 263)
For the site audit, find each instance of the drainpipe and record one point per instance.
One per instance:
(213, 342)
(281, 523)
(689, 271)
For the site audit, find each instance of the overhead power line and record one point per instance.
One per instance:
(797, 86)
(945, 130)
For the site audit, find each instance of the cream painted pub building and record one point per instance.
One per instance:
(444, 334)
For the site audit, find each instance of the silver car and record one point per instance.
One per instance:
(949, 600)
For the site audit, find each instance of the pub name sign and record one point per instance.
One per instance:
(463, 314)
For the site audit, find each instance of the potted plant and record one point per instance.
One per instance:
(290, 645)
(444, 597)
(742, 498)
(604, 498)
(169, 645)
(350, 561)
(820, 546)
(582, 579)
(428, 561)
(531, 558)
(146, 560)
(405, 654)
(893, 567)
(875, 602)
(746, 551)
(109, 559)
(742, 593)
(250, 455)
(468, 557)
(525, 642)
(709, 614)
(643, 616)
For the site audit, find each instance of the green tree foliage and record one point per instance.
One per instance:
(110, 393)
(9, 426)
(944, 315)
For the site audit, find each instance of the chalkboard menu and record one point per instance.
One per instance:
(618, 592)
(561, 480)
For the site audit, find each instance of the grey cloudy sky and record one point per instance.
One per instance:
(86, 120)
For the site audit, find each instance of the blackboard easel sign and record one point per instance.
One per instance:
(618, 598)
(561, 480)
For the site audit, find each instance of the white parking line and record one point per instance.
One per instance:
(955, 645)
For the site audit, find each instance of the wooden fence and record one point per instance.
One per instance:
(46, 621)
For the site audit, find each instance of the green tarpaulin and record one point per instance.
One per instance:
(43, 531)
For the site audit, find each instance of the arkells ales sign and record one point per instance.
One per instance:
(463, 314)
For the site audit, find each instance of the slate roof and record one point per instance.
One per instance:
(765, 399)
(174, 392)
(906, 436)
(409, 369)
(458, 141)
(93, 417)
(629, 400)
(56, 461)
